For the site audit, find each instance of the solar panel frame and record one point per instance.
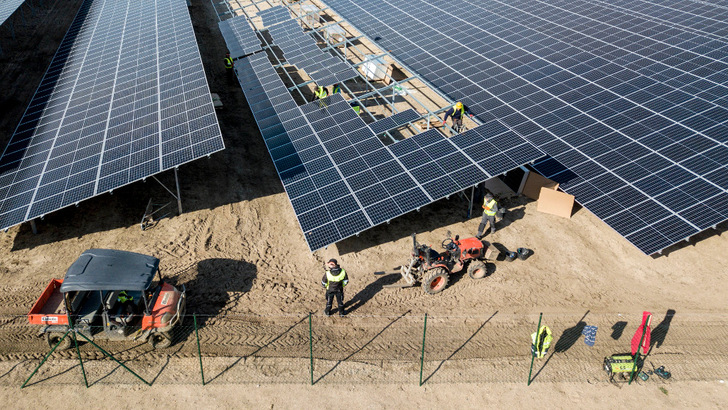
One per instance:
(99, 120)
(239, 36)
(8, 7)
(630, 91)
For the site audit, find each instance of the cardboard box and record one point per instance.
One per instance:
(555, 202)
(534, 183)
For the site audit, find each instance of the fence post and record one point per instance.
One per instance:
(532, 355)
(80, 360)
(199, 354)
(422, 357)
(310, 345)
(45, 358)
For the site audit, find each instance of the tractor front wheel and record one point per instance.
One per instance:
(477, 270)
(160, 340)
(435, 281)
(53, 339)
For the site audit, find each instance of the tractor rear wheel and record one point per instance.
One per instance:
(160, 340)
(53, 338)
(477, 270)
(435, 280)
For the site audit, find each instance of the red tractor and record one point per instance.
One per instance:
(432, 269)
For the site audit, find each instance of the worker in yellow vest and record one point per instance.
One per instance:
(540, 343)
(490, 208)
(334, 281)
(319, 93)
(229, 68)
(457, 113)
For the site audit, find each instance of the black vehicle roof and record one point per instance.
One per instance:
(109, 269)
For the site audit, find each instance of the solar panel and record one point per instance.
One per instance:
(300, 49)
(339, 177)
(394, 121)
(125, 97)
(628, 98)
(239, 36)
(8, 7)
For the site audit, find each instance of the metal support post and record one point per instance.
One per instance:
(45, 358)
(422, 357)
(80, 360)
(310, 344)
(523, 180)
(533, 356)
(33, 227)
(472, 198)
(199, 354)
(179, 197)
(109, 355)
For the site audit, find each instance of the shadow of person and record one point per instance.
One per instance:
(618, 329)
(570, 335)
(660, 331)
(369, 291)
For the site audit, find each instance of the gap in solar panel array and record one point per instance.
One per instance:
(341, 179)
(301, 50)
(629, 99)
(125, 97)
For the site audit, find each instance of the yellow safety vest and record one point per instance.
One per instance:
(228, 62)
(356, 108)
(321, 93)
(540, 350)
(488, 206)
(332, 278)
(462, 111)
(124, 297)
(337, 89)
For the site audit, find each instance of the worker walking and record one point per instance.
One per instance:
(334, 280)
(490, 208)
(229, 68)
(457, 112)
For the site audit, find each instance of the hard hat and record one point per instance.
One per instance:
(458, 105)
(489, 196)
(334, 261)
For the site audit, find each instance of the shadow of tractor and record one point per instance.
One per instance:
(214, 286)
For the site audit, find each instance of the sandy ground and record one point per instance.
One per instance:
(238, 249)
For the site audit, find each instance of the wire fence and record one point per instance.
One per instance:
(493, 348)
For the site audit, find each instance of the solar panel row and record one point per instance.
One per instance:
(629, 99)
(341, 179)
(125, 97)
(301, 50)
(7, 8)
(239, 36)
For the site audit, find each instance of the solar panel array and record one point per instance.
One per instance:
(125, 97)
(394, 121)
(239, 36)
(8, 7)
(341, 179)
(301, 50)
(628, 98)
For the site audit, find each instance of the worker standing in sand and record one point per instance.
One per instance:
(490, 208)
(334, 281)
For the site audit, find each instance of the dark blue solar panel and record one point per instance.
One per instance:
(110, 111)
(619, 84)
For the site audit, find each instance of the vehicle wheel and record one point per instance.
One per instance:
(477, 270)
(435, 281)
(54, 338)
(160, 340)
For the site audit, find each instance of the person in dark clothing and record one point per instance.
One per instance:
(229, 68)
(334, 281)
(457, 112)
